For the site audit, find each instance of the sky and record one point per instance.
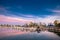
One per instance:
(26, 11)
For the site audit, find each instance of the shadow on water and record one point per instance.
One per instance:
(58, 33)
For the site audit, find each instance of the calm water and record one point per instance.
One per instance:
(43, 35)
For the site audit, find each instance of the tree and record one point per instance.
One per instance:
(44, 25)
(7, 25)
(18, 25)
(55, 22)
(40, 25)
(58, 24)
(1, 25)
(33, 24)
(25, 25)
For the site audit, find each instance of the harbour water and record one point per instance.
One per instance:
(42, 35)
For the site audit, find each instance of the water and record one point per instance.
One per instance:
(12, 34)
(43, 35)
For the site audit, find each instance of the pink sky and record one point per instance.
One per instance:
(13, 19)
(16, 20)
(9, 32)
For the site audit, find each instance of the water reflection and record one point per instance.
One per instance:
(58, 33)
(38, 30)
(9, 34)
(43, 35)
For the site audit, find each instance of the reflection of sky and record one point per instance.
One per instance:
(25, 11)
(15, 34)
(9, 32)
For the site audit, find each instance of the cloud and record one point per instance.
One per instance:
(4, 11)
(13, 19)
(46, 19)
(56, 10)
(6, 16)
(51, 18)
(27, 16)
(53, 10)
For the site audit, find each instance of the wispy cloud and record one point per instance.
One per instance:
(26, 18)
(4, 11)
(13, 19)
(55, 10)
(46, 19)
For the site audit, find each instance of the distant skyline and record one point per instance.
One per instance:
(25, 11)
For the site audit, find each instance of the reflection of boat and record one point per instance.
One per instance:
(38, 29)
